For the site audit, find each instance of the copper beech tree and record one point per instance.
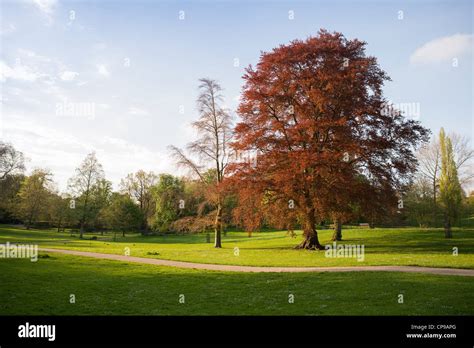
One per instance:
(313, 114)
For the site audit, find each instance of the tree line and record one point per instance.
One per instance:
(145, 202)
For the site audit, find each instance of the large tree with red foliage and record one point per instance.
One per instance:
(313, 113)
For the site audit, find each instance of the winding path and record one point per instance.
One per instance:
(259, 269)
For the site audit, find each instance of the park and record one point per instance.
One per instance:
(106, 287)
(308, 193)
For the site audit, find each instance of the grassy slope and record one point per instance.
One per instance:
(105, 287)
(403, 246)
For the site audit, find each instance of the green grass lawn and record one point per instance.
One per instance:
(104, 287)
(395, 246)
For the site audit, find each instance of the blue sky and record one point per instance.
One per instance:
(136, 64)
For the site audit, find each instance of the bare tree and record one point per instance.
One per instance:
(212, 147)
(88, 174)
(429, 158)
(11, 160)
(463, 157)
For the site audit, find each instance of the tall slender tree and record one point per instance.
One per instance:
(429, 158)
(449, 187)
(211, 148)
(87, 176)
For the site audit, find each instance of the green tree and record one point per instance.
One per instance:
(123, 214)
(170, 201)
(418, 205)
(33, 196)
(138, 186)
(12, 166)
(58, 210)
(9, 188)
(88, 174)
(100, 199)
(449, 186)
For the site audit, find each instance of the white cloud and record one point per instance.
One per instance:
(120, 157)
(18, 72)
(30, 66)
(33, 56)
(46, 6)
(137, 111)
(44, 145)
(442, 49)
(63, 150)
(102, 70)
(68, 75)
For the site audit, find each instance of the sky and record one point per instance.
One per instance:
(121, 77)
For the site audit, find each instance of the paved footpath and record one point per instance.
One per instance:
(257, 269)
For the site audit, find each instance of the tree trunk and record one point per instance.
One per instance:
(447, 228)
(434, 202)
(29, 222)
(337, 236)
(218, 226)
(83, 218)
(60, 220)
(123, 233)
(311, 240)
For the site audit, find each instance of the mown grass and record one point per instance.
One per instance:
(104, 287)
(388, 246)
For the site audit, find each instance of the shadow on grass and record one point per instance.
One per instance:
(381, 241)
(116, 288)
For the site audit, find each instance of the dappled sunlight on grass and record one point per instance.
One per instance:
(396, 246)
